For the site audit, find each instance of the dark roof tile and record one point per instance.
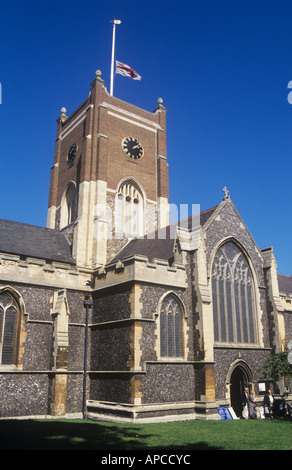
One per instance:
(160, 244)
(37, 242)
(285, 284)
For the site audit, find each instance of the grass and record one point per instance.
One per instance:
(188, 435)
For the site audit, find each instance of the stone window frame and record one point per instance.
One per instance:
(20, 332)
(255, 299)
(184, 329)
(130, 199)
(69, 205)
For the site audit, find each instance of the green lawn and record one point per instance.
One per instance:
(189, 435)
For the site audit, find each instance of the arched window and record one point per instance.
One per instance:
(9, 328)
(171, 340)
(130, 210)
(69, 205)
(234, 310)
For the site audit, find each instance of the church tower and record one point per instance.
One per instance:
(109, 181)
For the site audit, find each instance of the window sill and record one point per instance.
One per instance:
(8, 368)
(239, 346)
(173, 360)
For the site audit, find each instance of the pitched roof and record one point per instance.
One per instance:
(160, 244)
(151, 248)
(37, 242)
(285, 284)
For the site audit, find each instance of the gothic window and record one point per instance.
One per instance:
(171, 341)
(9, 323)
(234, 311)
(130, 210)
(69, 205)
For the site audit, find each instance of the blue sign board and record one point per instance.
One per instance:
(224, 413)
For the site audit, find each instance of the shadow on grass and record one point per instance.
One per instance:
(79, 435)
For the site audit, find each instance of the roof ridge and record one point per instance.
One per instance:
(179, 221)
(27, 224)
(194, 215)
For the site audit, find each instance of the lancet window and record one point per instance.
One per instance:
(69, 205)
(171, 341)
(9, 325)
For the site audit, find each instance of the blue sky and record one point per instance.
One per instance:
(221, 67)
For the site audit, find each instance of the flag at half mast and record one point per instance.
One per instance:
(124, 69)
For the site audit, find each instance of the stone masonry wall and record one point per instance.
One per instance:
(27, 390)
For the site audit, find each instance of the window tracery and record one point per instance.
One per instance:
(9, 319)
(171, 341)
(130, 210)
(233, 297)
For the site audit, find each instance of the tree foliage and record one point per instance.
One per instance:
(277, 366)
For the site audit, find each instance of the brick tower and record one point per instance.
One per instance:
(109, 181)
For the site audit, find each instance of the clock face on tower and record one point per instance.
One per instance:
(132, 148)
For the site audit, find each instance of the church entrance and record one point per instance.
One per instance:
(240, 378)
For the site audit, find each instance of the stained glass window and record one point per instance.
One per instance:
(233, 297)
(171, 328)
(8, 328)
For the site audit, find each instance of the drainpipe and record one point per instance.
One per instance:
(87, 304)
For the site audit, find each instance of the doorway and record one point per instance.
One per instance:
(240, 378)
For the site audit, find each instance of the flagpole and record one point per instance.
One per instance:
(115, 22)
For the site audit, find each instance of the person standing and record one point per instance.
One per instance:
(269, 402)
(252, 405)
(245, 401)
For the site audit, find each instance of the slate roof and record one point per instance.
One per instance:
(154, 246)
(285, 284)
(37, 242)
(162, 249)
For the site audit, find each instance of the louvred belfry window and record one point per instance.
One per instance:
(9, 314)
(69, 205)
(129, 210)
(234, 311)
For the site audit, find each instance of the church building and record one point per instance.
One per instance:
(113, 313)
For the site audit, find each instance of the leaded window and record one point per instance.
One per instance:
(8, 328)
(233, 297)
(171, 344)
